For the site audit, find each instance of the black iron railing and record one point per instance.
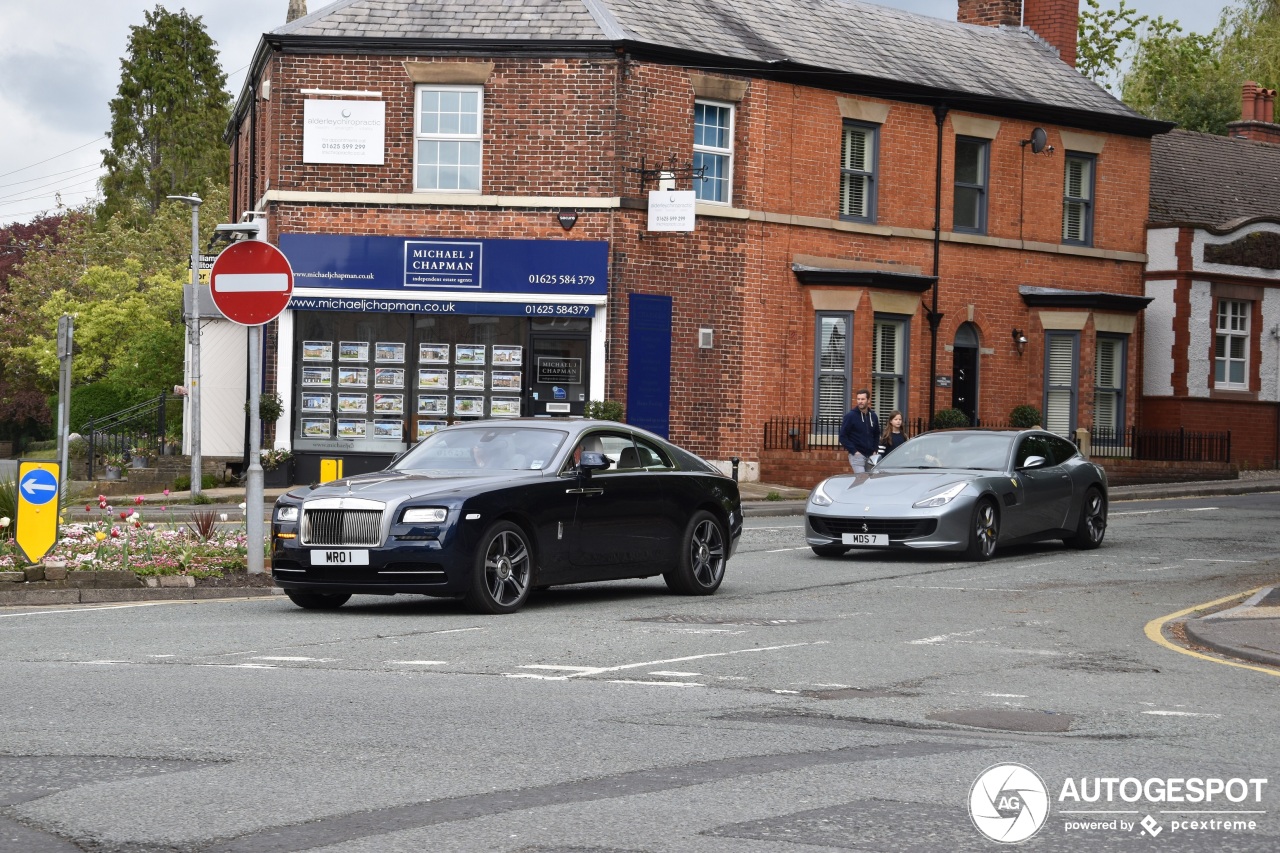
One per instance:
(1176, 445)
(139, 427)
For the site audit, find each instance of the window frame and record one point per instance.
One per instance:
(899, 378)
(819, 371)
(1073, 338)
(1244, 335)
(711, 151)
(982, 187)
(1120, 391)
(420, 137)
(1086, 201)
(870, 175)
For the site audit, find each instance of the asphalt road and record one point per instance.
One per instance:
(813, 704)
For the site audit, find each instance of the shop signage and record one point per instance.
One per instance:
(407, 264)
(552, 370)
(671, 210)
(399, 305)
(343, 132)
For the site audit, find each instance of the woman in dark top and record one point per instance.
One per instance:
(893, 435)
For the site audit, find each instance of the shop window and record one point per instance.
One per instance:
(889, 371)
(447, 144)
(858, 172)
(1108, 387)
(832, 365)
(970, 209)
(713, 151)
(1061, 359)
(1231, 345)
(1077, 200)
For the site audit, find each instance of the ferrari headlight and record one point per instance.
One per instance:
(287, 513)
(424, 515)
(819, 496)
(942, 498)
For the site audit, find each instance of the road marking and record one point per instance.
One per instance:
(657, 683)
(1155, 632)
(1211, 560)
(1006, 695)
(666, 673)
(787, 527)
(780, 550)
(418, 662)
(238, 665)
(90, 609)
(297, 660)
(1178, 714)
(965, 588)
(100, 662)
(578, 671)
(1201, 508)
(942, 638)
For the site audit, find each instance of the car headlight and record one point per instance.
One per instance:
(287, 513)
(424, 515)
(819, 496)
(942, 498)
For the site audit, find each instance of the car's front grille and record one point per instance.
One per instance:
(896, 528)
(342, 527)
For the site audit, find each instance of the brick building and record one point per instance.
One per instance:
(882, 200)
(1212, 339)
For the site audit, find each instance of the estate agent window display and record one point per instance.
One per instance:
(378, 383)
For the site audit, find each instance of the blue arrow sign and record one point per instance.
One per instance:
(38, 487)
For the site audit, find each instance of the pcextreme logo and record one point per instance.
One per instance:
(1008, 803)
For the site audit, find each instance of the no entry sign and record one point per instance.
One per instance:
(251, 282)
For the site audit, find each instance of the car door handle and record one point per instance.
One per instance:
(584, 491)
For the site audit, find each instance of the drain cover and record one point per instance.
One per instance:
(1007, 720)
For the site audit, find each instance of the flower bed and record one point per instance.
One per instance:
(126, 540)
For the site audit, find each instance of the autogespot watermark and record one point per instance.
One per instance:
(1010, 803)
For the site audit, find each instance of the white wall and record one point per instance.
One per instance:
(223, 388)
(1157, 377)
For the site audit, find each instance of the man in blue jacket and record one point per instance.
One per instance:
(860, 432)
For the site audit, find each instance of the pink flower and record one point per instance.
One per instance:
(166, 493)
(138, 500)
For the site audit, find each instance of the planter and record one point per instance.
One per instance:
(138, 462)
(279, 477)
(111, 472)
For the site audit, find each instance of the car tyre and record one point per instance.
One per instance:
(704, 552)
(984, 531)
(500, 578)
(1093, 522)
(829, 550)
(308, 600)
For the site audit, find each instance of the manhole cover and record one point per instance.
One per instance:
(684, 619)
(1007, 720)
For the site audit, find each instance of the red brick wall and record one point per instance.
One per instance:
(1055, 21)
(1255, 430)
(731, 274)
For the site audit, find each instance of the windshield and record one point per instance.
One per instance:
(982, 451)
(495, 448)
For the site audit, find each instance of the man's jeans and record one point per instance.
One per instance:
(858, 463)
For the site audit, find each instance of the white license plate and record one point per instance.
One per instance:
(866, 540)
(339, 558)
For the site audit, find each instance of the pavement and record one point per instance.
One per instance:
(1245, 627)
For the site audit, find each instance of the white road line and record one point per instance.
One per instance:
(1210, 560)
(788, 527)
(90, 609)
(780, 550)
(1178, 714)
(238, 665)
(1201, 508)
(964, 588)
(942, 638)
(297, 660)
(456, 630)
(667, 673)
(578, 671)
(418, 662)
(1005, 695)
(657, 683)
(100, 662)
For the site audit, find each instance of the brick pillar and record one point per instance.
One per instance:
(990, 13)
(1057, 22)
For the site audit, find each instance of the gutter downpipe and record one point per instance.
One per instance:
(940, 111)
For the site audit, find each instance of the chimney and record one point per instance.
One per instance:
(297, 9)
(1257, 115)
(990, 13)
(1055, 21)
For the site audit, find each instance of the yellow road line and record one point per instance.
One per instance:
(1155, 632)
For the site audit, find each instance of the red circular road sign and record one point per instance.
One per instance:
(251, 282)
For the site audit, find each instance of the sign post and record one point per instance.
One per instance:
(38, 492)
(251, 282)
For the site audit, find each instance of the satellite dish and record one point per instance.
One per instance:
(1038, 140)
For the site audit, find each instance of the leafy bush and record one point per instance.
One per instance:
(182, 482)
(96, 400)
(604, 410)
(1025, 416)
(948, 418)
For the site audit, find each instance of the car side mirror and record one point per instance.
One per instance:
(1033, 462)
(592, 461)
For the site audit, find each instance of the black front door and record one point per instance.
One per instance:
(559, 373)
(964, 381)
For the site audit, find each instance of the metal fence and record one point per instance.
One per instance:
(138, 429)
(1180, 445)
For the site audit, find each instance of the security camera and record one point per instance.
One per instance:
(248, 228)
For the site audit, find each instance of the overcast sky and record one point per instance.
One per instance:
(60, 66)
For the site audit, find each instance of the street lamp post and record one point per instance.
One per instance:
(193, 390)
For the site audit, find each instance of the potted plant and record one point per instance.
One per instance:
(277, 468)
(138, 456)
(112, 464)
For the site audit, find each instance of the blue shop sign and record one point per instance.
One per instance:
(408, 264)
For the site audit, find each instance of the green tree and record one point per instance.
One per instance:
(1105, 39)
(168, 117)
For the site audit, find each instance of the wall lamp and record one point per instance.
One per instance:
(1019, 340)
